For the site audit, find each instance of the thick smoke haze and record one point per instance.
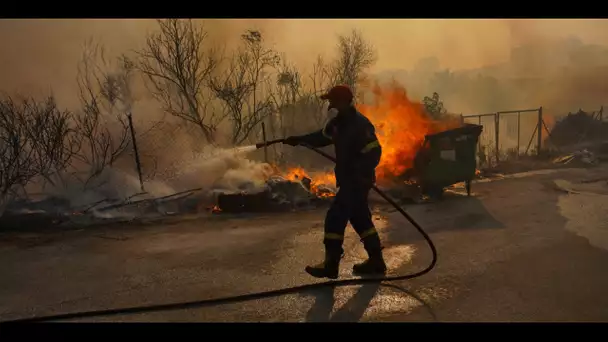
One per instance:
(41, 55)
(476, 66)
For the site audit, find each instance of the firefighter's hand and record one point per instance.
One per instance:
(293, 141)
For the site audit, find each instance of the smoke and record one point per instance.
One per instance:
(221, 169)
(112, 184)
(559, 65)
(41, 55)
(476, 66)
(225, 170)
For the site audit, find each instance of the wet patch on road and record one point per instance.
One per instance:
(370, 302)
(586, 213)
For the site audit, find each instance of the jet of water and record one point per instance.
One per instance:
(244, 149)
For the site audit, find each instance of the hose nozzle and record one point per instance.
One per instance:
(268, 143)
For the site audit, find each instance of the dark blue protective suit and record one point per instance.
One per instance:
(357, 152)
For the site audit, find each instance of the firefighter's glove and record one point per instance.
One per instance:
(293, 141)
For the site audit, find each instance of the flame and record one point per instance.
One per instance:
(215, 209)
(401, 125)
(549, 123)
(322, 178)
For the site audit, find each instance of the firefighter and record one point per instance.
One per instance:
(357, 152)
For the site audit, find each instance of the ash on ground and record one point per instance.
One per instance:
(54, 211)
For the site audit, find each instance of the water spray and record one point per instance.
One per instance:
(244, 149)
(268, 143)
(251, 148)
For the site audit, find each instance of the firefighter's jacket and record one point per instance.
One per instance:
(356, 146)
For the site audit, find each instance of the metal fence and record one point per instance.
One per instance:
(508, 133)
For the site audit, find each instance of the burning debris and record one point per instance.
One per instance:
(282, 192)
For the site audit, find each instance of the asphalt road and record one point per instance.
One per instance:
(529, 248)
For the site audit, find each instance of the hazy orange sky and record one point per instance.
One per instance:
(43, 53)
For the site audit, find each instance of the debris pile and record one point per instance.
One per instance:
(583, 157)
(54, 211)
(280, 193)
(293, 190)
(578, 127)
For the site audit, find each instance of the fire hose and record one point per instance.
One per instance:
(264, 294)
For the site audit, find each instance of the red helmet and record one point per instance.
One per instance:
(340, 93)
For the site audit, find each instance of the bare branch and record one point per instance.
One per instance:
(35, 140)
(355, 56)
(245, 87)
(105, 95)
(178, 68)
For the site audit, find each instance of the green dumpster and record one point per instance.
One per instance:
(447, 158)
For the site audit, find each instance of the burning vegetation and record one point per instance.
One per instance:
(401, 126)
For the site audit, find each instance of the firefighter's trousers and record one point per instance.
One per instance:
(350, 204)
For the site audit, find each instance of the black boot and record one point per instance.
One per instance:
(375, 265)
(327, 269)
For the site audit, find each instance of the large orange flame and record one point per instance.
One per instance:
(401, 126)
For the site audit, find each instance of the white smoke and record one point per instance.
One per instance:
(225, 169)
(212, 169)
(208, 172)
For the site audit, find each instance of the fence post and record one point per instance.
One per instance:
(539, 131)
(497, 135)
(518, 132)
(135, 150)
(265, 147)
(479, 140)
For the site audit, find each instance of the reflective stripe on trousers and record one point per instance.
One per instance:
(334, 236)
(368, 233)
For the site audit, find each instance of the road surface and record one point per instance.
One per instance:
(527, 248)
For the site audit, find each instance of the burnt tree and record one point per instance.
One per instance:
(52, 136)
(178, 67)
(354, 57)
(101, 128)
(245, 87)
(36, 141)
(287, 94)
(16, 155)
(322, 78)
